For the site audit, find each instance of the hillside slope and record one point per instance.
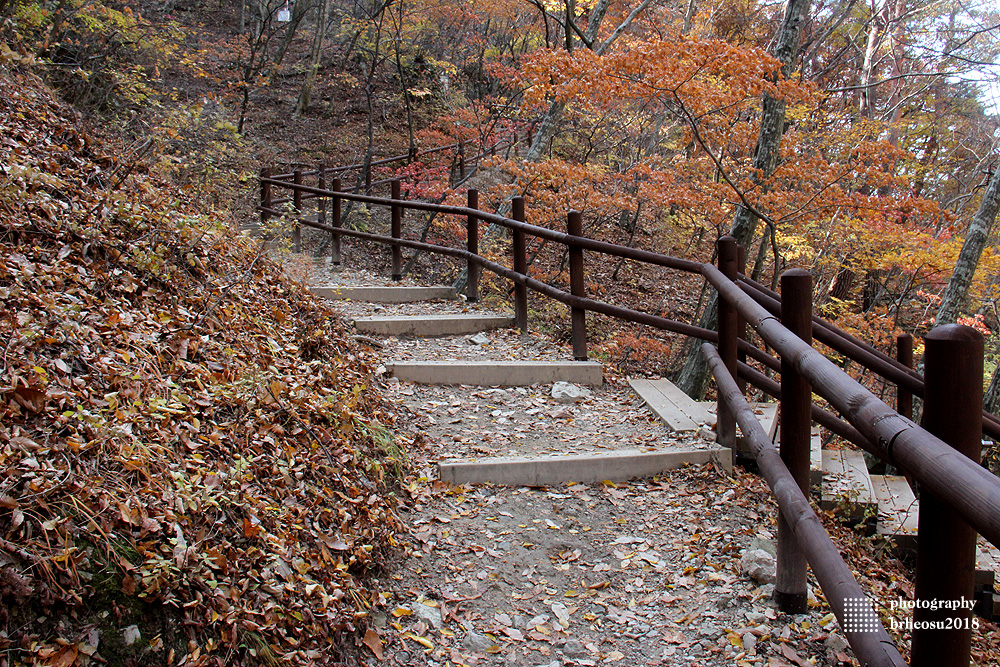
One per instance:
(194, 466)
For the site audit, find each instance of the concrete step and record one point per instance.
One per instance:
(674, 408)
(497, 373)
(431, 325)
(548, 470)
(847, 486)
(390, 294)
(897, 510)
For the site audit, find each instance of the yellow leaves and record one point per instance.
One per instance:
(423, 641)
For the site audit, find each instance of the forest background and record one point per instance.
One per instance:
(646, 116)
(857, 140)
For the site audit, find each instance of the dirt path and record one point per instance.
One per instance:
(641, 573)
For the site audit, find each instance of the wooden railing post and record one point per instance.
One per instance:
(946, 544)
(904, 355)
(321, 201)
(297, 208)
(725, 421)
(461, 160)
(741, 324)
(577, 287)
(472, 284)
(265, 195)
(397, 232)
(335, 213)
(796, 422)
(520, 249)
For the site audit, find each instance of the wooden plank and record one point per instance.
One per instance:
(847, 486)
(675, 408)
(897, 510)
(768, 416)
(815, 457)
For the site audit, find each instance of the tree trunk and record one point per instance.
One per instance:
(772, 117)
(305, 94)
(298, 13)
(956, 294)
(547, 126)
(693, 376)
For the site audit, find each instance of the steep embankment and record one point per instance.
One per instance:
(194, 468)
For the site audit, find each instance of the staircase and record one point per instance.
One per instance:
(449, 345)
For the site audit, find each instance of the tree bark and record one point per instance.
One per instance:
(772, 117)
(547, 126)
(693, 376)
(956, 294)
(305, 94)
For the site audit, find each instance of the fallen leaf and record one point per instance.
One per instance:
(374, 642)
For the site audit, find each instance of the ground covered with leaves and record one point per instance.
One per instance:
(194, 466)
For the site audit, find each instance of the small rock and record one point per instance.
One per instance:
(430, 615)
(758, 565)
(567, 392)
(755, 616)
(131, 634)
(476, 642)
(707, 434)
(575, 649)
(764, 544)
(708, 631)
(835, 643)
(479, 339)
(749, 641)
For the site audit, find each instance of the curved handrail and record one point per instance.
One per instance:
(972, 491)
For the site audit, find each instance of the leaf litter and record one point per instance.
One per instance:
(196, 464)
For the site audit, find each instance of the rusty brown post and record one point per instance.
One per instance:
(741, 323)
(946, 544)
(397, 232)
(796, 422)
(520, 249)
(472, 284)
(321, 201)
(725, 421)
(461, 160)
(577, 287)
(904, 355)
(335, 213)
(265, 195)
(297, 207)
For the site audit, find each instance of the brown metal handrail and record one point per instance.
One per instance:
(872, 647)
(971, 491)
(895, 439)
(857, 350)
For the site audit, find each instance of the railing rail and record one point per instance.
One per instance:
(964, 487)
